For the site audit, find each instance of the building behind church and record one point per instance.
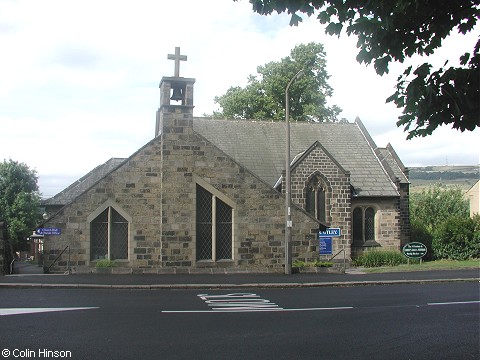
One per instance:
(208, 195)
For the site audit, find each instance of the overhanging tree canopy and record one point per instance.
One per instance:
(394, 30)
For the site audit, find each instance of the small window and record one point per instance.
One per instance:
(363, 220)
(109, 236)
(214, 227)
(357, 225)
(369, 224)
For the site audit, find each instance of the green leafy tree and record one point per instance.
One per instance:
(395, 30)
(458, 238)
(435, 205)
(264, 95)
(439, 218)
(19, 201)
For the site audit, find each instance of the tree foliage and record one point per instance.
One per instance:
(395, 30)
(458, 238)
(440, 219)
(19, 201)
(435, 205)
(264, 95)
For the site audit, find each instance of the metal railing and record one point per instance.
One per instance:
(344, 258)
(47, 270)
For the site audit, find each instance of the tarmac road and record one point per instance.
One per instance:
(403, 321)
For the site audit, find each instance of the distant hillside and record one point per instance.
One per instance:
(463, 176)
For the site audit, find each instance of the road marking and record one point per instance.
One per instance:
(233, 310)
(20, 311)
(243, 302)
(454, 303)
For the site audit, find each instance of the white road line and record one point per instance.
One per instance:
(236, 310)
(455, 303)
(20, 311)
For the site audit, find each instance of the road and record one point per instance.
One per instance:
(421, 321)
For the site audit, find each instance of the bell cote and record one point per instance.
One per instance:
(176, 93)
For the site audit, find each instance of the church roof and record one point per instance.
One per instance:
(71, 192)
(393, 164)
(260, 147)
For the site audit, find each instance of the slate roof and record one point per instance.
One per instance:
(393, 164)
(260, 147)
(74, 190)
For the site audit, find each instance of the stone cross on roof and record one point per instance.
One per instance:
(177, 57)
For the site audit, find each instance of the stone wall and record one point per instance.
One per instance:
(404, 209)
(387, 224)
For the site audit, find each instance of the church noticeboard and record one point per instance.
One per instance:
(325, 239)
(414, 250)
(325, 247)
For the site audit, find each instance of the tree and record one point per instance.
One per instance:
(19, 201)
(436, 213)
(264, 95)
(435, 205)
(458, 238)
(395, 30)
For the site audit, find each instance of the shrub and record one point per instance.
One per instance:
(298, 264)
(458, 238)
(105, 263)
(419, 233)
(378, 258)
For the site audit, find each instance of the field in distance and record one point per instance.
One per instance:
(464, 176)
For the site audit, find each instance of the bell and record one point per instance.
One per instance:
(177, 94)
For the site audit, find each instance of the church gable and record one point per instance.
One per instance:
(322, 188)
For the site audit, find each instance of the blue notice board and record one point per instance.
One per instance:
(330, 232)
(325, 245)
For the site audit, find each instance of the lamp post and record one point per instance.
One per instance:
(288, 195)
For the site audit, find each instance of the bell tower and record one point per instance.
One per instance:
(176, 93)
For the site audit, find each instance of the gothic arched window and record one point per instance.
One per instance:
(109, 236)
(214, 227)
(315, 199)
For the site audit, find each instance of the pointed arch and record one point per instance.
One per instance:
(317, 194)
(109, 227)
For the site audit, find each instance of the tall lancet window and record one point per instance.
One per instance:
(109, 236)
(315, 199)
(214, 226)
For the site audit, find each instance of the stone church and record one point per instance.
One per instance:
(208, 195)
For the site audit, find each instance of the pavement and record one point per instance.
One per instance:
(29, 277)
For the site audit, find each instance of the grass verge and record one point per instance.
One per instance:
(428, 265)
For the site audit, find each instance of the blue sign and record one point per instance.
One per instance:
(330, 232)
(325, 245)
(48, 231)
